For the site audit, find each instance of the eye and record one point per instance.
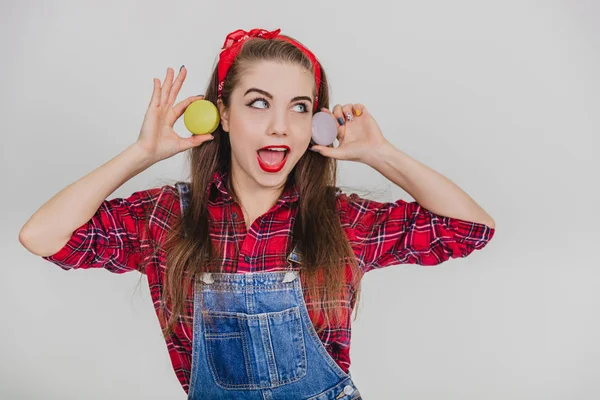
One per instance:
(304, 107)
(258, 100)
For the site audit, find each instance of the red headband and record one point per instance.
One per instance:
(233, 44)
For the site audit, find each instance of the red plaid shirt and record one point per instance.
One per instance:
(381, 234)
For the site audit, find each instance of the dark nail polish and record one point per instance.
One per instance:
(341, 121)
(180, 68)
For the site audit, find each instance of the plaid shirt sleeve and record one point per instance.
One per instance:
(400, 232)
(113, 238)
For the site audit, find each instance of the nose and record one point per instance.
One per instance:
(279, 122)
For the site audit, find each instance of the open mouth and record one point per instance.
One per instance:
(272, 158)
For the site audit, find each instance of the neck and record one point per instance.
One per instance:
(255, 200)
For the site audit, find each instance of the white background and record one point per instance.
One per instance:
(501, 97)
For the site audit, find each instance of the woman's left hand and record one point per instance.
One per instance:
(359, 136)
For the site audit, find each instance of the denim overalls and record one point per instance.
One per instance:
(259, 342)
(253, 339)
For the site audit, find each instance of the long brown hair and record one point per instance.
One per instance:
(317, 232)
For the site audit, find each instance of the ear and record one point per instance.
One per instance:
(224, 115)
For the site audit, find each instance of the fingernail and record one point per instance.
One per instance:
(199, 95)
(180, 68)
(349, 116)
(357, 112)
(341, 120)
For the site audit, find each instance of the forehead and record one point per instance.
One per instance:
(278, 78)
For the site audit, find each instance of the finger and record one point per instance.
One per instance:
(347, 111)
(155, 99)
(341, 134)
(179, 109)
(194, 141)
(358, 109)
(166, 87)
(177, 85)
(332, 152)
(338, 114)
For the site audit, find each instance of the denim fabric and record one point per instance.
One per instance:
(253, 339)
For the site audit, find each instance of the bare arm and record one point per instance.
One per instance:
(361, 140)
(429, 188)
(51, 227)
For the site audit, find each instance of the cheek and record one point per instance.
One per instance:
(244, 132)
(248, 132)
(240, 144)
(303, 132)
(240, 117)
(248, 119)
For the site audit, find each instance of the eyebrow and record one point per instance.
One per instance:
(270, 96)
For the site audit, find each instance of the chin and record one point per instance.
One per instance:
(272, 179)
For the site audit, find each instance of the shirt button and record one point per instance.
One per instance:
(247, 259)
(234, 215)
(348, 390)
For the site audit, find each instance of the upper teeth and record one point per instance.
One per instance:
(276, 149)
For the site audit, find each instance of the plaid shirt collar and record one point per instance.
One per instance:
(222, 196)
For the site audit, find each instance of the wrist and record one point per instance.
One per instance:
(378, 156)
(140, 156)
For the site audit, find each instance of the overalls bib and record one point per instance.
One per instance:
(253, 339)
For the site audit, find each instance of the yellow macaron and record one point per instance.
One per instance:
(201, 117)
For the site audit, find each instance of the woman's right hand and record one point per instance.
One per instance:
(157, 137)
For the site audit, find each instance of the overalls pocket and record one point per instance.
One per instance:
(255, 351)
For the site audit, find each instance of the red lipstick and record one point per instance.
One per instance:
(272, 168)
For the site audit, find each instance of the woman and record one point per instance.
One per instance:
(255, 264)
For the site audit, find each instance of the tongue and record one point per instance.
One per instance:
(271, 157)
